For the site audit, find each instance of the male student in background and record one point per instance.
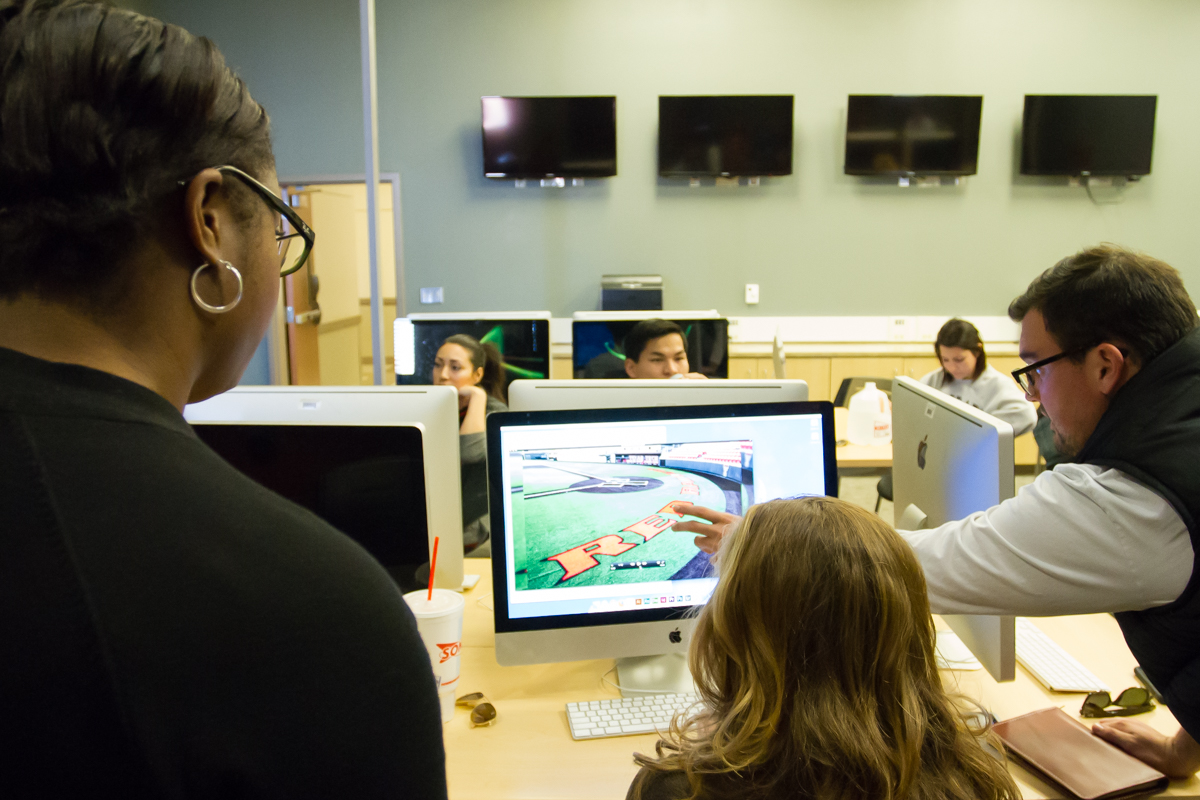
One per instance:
(657, 348)
(1113, 349)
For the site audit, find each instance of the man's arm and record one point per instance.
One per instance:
(1079, 540)
(1175, 756)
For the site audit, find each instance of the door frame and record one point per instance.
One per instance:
(276, 336)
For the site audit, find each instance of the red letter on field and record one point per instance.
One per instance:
(579, 560)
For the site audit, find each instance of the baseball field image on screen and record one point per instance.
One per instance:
(604, 516)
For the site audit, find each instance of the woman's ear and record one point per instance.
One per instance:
(477, 376)
(202, 223)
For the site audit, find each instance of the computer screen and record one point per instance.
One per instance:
(598, 351)
(523, 339)
(1087, 134)
(380, 464)
(912, 134)
(541, 137)
(585, 564)
(366, 481)
(950, 460)
(723, 135)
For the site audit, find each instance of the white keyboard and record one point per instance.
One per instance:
(626, 716)
(1054, 667)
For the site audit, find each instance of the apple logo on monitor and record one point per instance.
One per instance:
(675, 636)
(921, 448)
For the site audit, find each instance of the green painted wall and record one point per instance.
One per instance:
(818, 242)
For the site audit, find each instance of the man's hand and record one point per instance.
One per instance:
(1175, 756)
(718, 525)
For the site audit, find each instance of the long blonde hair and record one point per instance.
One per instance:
(815, 661)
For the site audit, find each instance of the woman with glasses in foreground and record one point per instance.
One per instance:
(172, 629)
(815, 662)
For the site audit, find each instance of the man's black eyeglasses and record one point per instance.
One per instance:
(292, 253)
(1026, 377)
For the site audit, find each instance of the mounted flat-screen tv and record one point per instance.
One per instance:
(549, 137)
(725, 136)
(912, 134)
(1087, 134)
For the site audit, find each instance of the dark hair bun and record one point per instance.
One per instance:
(102, 112)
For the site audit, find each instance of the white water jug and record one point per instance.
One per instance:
(870, 417)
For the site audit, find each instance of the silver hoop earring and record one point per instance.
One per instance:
(217, 309)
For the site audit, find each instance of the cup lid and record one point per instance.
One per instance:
(444, 601)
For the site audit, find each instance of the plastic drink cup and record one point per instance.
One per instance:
(440, 623)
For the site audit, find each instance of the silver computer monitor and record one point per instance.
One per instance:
(522, 337)
(599, 393)
(584, 560)
(378, 463)
(598, 341)
(950, 460)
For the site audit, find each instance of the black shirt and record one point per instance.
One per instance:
(168, 628)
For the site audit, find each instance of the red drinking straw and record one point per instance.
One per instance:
(432, 567)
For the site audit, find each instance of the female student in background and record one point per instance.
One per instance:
(965, 375)
(814, 660)
(477, 372)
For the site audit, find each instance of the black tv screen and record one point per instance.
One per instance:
(524, 343)
(1087, 134)
(549, 137)
(368, 481)
(912, 134)
(597, 346)
(711, 135)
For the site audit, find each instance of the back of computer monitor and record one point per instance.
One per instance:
(433, 410)
(950, 460)
(585, 393)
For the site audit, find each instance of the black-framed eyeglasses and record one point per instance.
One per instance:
(1134, 700)
(1026, 377)
(294, 236)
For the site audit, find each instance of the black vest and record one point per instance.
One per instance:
(1151, 432)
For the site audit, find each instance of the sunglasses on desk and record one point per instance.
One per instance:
(1134, 700)
(483, 713)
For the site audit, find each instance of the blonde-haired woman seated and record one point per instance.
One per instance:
(815, 661)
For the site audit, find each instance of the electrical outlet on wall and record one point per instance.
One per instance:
(433, 295)
(751, 294)
(902, 329)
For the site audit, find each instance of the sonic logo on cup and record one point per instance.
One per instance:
(449, 651)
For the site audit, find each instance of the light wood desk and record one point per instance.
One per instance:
(856, 455)
(529, 752)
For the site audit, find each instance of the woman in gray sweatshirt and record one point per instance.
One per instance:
(965, 375)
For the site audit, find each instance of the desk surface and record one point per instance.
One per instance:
(529, 753)
(856, 455)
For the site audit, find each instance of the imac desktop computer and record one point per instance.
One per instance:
(380, 464)
(522, 337)
(577, 394)
(585, 563)
(598, 341)
(950, 460)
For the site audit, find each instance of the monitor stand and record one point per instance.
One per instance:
(666, 674)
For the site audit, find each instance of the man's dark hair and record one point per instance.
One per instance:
(646, 331)
(102, 112)
(1110, 294)
(960, 333)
